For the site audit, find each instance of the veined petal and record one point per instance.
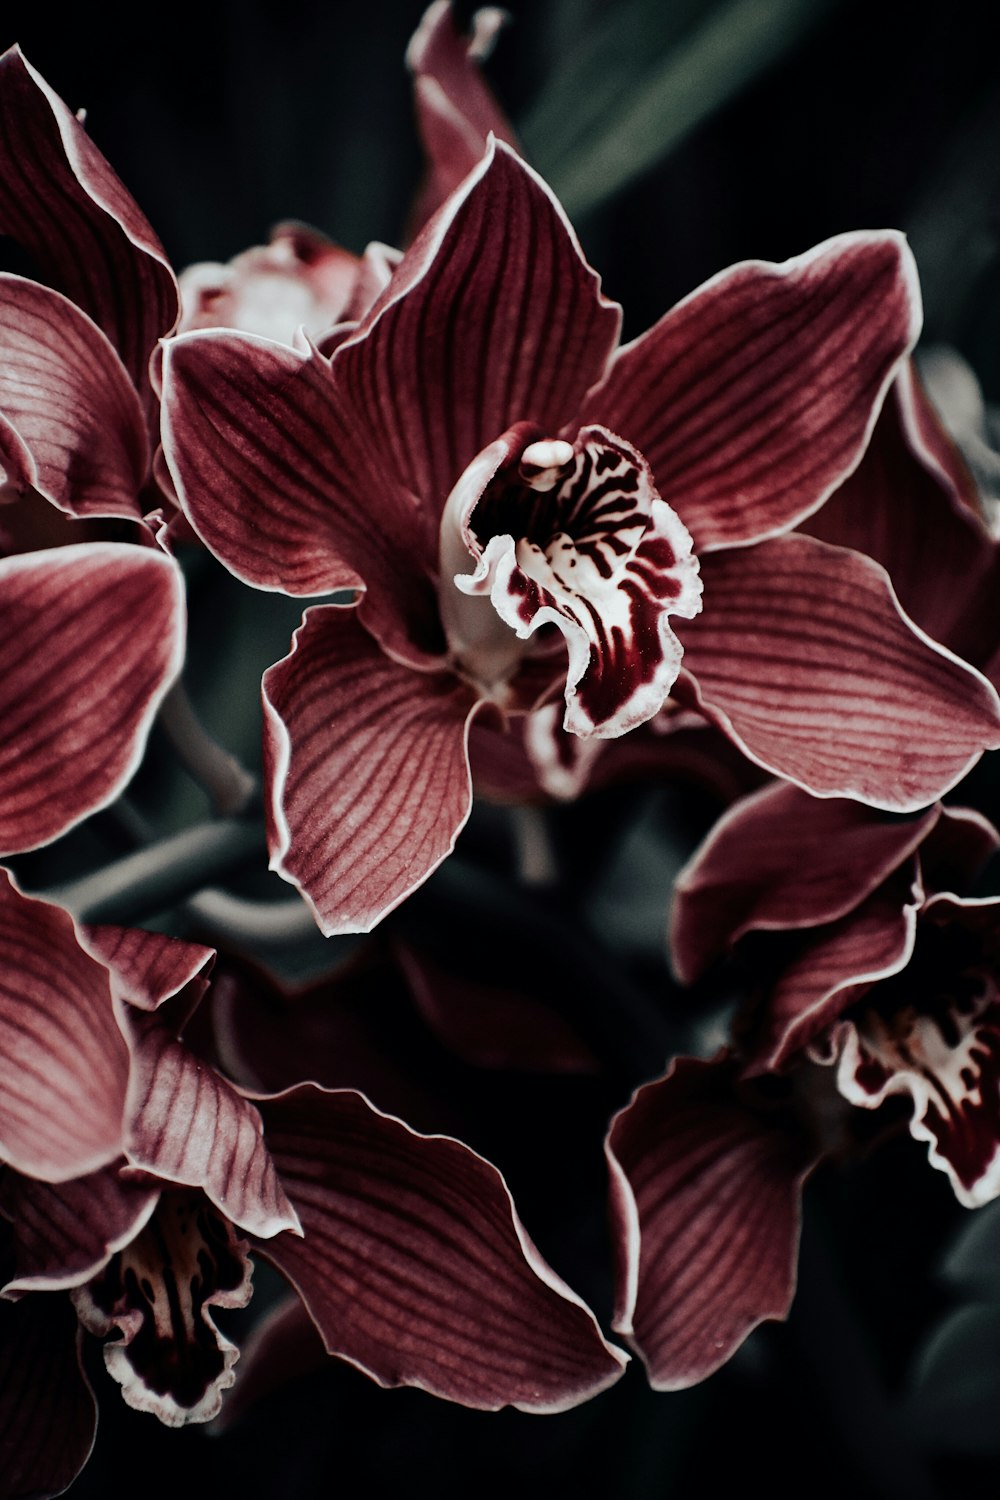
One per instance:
(415, 1266)
(188, 1125)
(781, 859)
(803, 657)
(64, 1234)
(934, 1034)
(48, 1415)
(493, 317)
(705, 1207)
(63, 1060)
(755, 396)
(367, 770)
(147, 967)
(94, 638)
(61, 201)
(71, 425)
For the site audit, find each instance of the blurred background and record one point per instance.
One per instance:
(682, 135)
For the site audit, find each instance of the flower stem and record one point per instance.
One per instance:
(229, 785)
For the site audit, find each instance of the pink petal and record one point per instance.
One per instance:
(705, 1205)
(493, 318)
(367, 773)
(48, 1415)
(415, 1266)
(188, 1125)
(755, 397)
(64, 1234)
(148, 968)
(61, 201)
(63, 1060)
(71, 425)
(803, 657)
(782, 859)
(95, 637)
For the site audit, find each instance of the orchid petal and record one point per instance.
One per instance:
(48, 1416)
(756, 395)
(415, 1266)
(61, 201)
(147, 967)
(283, 1346)
(781, 859)
(63, 1060)
(493, 318)
(188, 1125)
(71, 425)
(705, 1206)
(804, 658)
(65, 1234)
(95, 636)
(956, 849)
(368, 770)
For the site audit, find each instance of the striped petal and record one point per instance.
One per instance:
(148, 968)
(65, 1233)
(48, 1415)
(63, 1060)
(94, 637)
(755, 396)
(367, 770)
(705, 1207)
(187, 1125)
(804, 658)
(415, 1266)
(781, 859)
(493, 318)
(60, 200)
(71, 425)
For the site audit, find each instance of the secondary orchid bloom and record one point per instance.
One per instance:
(861, 957)
(138, 1179)
(480, 465)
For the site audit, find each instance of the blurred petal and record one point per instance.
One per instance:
(416, 1268)
(782, 859)
(63, 1060)
(705, 1205)
(48, 1415)
(804, 658)
(71, 425)
(284, 1346)
(94, 637)
(368, 771)
(61, 201)
(64, 1234)
(755, 396)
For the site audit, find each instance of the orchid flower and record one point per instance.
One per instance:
(871, 978)
(487, 474)
(138, 1179)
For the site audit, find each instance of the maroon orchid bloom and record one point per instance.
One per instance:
(479, 465)
(861, 957)
(138, 1179)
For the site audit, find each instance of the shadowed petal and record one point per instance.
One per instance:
(71, 425)
(63, 1060)
(782, 859)
(64, 1233)
(415, 1266)
(94, 637)
(755, 396)
(61, 201)
(283, 1346)
(705, 1205)
(804, 658)
(48, 1415)
(368, 770)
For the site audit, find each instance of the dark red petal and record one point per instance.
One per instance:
(415, 1266)
(958, 847)
(188, 1125)
(705, 1204)
(64, 1233)
(782, 859)
(367, 770)
(63, 1060)
(48, 1415)
(493, 317)
(803, 657)
(71, 425)
(284, 1346)
(61, 201)
(94, 637)
(755, 397)
(147, 967)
